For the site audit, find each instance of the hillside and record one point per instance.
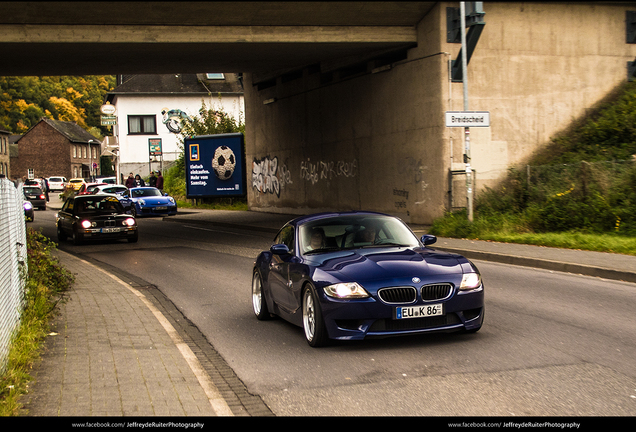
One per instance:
(25, 100)
(583, 182)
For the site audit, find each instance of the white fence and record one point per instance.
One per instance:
(13, 262)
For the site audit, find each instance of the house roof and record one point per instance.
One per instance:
(176, 84)
(70, 130)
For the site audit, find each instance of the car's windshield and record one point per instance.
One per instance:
(355, 231)
(115, 189)
(137, 193)
(99, 205)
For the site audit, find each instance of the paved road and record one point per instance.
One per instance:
(553, 343)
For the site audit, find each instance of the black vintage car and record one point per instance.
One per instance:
(95, 217)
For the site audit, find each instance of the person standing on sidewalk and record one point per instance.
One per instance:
(159, 181)
(130, 181)
(152, 180)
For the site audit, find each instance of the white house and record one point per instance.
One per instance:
(149, 109)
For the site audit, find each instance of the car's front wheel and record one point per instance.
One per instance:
(259, 304)
(313, 323)
(61, 235)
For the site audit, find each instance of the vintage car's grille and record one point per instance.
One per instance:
(436, 292)
(109, 223)
(398, 294)
(382, 325)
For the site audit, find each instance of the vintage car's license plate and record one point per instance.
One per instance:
(419, 311)
(110, 230)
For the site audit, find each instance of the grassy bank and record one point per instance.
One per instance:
(46, 282)
(514, 229)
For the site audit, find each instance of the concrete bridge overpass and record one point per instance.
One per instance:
(345, 101)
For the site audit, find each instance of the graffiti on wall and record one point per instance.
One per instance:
(315, 171)
(269, 177)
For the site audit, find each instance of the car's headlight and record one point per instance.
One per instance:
(86, 224)
(129, 222)
(346, 291)
(171, 200)
(142, 202)
(470, 281)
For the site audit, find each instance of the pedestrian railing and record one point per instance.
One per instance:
(13, 263)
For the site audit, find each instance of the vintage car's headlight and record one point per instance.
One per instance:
(129, 222)
(470, 281)
(346, 291)
(86, 224)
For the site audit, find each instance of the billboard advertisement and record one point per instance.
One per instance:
(215, 166)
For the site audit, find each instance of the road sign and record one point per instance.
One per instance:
(467, 119)
(108, 120)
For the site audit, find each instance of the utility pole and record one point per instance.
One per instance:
(469, 172)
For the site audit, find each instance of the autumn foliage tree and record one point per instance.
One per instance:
(25, 100)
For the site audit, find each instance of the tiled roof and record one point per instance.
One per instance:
(70, 130)
(176, 83)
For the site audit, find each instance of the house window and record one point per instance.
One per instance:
(75, 151)
(215, 76)
(141, 125)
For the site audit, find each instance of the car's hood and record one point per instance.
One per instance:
(388, 264)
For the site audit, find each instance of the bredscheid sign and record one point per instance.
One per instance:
(214, 166)
(467, 119)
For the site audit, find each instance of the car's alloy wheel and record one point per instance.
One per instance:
(258, 300)
(313, 324)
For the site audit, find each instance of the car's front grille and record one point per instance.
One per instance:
(397, 294)
(436, 291)
(109, 223)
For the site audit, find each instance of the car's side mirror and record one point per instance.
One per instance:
(279, 249)
(428, 239)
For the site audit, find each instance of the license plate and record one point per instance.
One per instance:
(161, 208)
(419, 311)
(110, 230)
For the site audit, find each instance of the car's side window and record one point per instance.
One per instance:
(286, 237)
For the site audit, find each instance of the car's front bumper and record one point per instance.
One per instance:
(371, 318)
(101, 233)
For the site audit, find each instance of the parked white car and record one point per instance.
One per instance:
(57, 183)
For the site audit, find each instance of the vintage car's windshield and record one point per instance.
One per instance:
(97, 206)
(354, 231)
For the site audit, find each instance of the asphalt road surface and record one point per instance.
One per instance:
(553, 344)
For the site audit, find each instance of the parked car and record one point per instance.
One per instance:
(87, 188)
(76, 183)
(57, 183)
(120, 191)
(35, 196)
(357, 275)
(29, 214)
(109, 180)
(94, 217)
(148, 201)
